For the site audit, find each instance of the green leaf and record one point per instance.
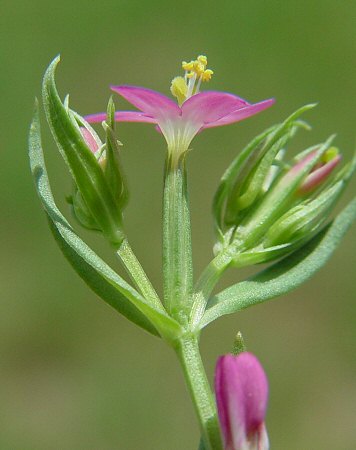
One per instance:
(92, 269)
(285, 275)
(83, 165)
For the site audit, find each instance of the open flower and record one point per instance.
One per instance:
(195, 111)
(241, 389)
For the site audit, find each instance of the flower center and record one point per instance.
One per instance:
(195, 72)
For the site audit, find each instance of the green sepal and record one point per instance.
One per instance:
(83, 165)
(277, 200)
(260, 254)
(81, 211)
(228, 178)
(113, 170)
(301, 221)
(285, 275)
(293, 229)
(104, 281)
(239, 344)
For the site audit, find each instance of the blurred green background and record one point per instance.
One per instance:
(73, 373)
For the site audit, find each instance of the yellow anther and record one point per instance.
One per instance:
(203, 60)
(206, 75)
(179, 89)
(198, 68)
(195, 73)
(188, 65)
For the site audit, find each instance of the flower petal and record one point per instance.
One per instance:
(122, 116)
(240, 114)
(149, 102)
(210, 106)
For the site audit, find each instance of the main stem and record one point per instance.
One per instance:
(188, 353)
(178, 294)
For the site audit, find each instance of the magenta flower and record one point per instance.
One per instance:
(241, 389)
(195, 111)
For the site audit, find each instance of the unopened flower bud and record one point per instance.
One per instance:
(253, 171)
(241, 389)
(107, 156)
(291, 203)
(96, 206)
(329, 160)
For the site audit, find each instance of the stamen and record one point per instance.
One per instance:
(195, 73)
(206, 75)
(188, 66)
(203, 59)
(191, 84)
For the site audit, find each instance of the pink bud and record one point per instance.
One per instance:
(89, 139)
(241, 389)
(319, 174)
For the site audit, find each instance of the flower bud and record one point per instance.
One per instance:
(255, 168)
(107, 156)
(287, 202)
(87, 173)
(241, 389)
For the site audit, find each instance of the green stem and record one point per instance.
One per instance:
(188, 353)
(205, 285)
(177, 247)
(138, 275)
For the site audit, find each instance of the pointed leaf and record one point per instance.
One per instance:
(285, 275)
(92, 269)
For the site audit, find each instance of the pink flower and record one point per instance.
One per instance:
(195, 111)
(241, 389)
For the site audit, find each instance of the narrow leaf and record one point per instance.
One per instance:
(285, 275)
(92, 269)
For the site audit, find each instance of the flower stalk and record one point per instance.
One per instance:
(137, 274)
(177, 247)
